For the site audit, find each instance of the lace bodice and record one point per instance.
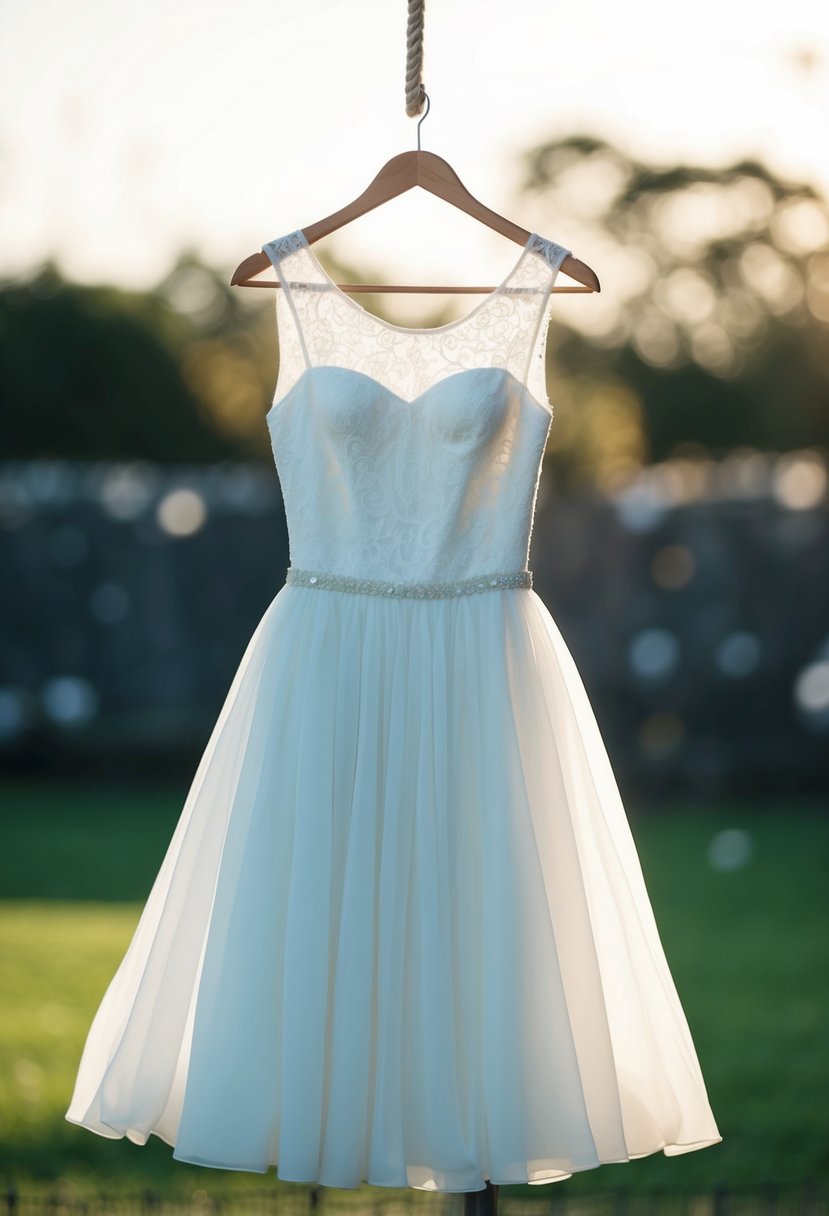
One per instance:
(410, 454)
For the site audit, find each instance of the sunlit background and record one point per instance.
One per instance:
(682, 534)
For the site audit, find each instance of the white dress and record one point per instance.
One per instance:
(400, 934)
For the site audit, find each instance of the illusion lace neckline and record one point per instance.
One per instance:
(420, 329)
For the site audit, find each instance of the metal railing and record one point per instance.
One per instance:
(808, 1198)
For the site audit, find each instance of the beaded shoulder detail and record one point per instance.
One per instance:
(551, 252)
(282, 246)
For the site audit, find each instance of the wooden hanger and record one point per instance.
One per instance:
(398, 175)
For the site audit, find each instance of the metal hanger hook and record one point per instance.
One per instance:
(425, 112)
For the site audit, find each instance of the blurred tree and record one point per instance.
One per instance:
(95, 373)
(179, 374)
(713, 332)
(229, 362)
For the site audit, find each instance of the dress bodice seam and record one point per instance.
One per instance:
(279, 403)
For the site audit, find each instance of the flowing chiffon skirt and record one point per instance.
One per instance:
(400, 934)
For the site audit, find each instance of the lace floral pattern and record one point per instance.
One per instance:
(410, 455)
(508, 328)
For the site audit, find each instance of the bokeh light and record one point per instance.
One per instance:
(181, 512)
(69, 700)
(730, 849)
(653, 654)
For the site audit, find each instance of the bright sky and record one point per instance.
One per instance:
(128, 129)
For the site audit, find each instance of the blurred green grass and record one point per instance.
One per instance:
(747, 949)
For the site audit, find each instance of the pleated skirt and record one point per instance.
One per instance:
(401, 933)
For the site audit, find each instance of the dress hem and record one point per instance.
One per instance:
(669, 1150)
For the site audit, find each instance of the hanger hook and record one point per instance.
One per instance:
(425, 112)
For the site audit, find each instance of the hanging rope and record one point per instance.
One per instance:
(415, 93)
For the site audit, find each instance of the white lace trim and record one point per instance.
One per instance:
(318, 323)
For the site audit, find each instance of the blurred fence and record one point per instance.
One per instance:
(805, 1199)
(695, 604)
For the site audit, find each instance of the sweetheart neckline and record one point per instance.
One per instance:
(420, 329)
(354, 371)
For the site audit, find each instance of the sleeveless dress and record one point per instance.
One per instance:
(401, 934)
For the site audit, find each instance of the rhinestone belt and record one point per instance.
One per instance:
(420, 591)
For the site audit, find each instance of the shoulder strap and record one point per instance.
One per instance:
(286, 256)
(544, 265)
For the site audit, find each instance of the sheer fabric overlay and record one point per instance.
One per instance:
(401, 934)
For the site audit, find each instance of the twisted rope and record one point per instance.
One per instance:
(415, 93)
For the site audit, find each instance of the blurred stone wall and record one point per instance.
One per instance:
(695, 605)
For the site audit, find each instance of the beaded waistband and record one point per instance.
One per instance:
(420, 591)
